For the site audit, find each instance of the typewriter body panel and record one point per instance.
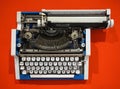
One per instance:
(55, 44)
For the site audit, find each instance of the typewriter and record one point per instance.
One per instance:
(55, 44)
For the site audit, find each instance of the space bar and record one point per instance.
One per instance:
(52, 76)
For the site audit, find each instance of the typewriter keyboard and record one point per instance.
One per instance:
(50, 67)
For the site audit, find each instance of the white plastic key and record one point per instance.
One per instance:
(61, 67)
(69, 63)
(38, 58)
(40, 63)
(51, 68)
(31, 71)
(28, 67)
(22, 68)
(47, 67)
(40, 72)
(23, 58)
(57, 59)
(28, 58)
(31, 63)
(47, 58)
(33, 58)
(26, 63)
(21, 63)
(45, 63)
(36, 63)
(33, 67)
(79, 63)
(66, 58)
(76, 58)
(42, 58)
(58, 71)
(77, 71)
(55, 63)
(50, 63)
(35, 71)
(24, 72)
(71, 58)
(42, 68)
(37, 67)
(62, 58)
(64, 63)
(52, 59)
(59, 63)
(45, 71)
(53, 76)
(63, 71)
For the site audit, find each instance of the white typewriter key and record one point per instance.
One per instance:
(23, 58)
(76, 58)
(33, 67)
(65, 67)
(21, 63)
(54, 71)
(22, 68)
(51, 68)
(47, 67)
(40, 71)
(50, 63)
(61, 67)
(63, 71)
(37, 68)
(42, 68)
(52, 59)
(57, 59)
(83, 44)
(35, 71)
(69, 63)
(79, 63)
(38, 58)
(45, 63)
(64, 63)
(36, 63)
(49, 71)
(31, 63)
(66, 58)
(62, 58)
(26, 63)
(33, 58)
(59, 63)
(74, 63)
(24, 72)
(71, 58)
(68, 71)
(40, 63)
(28, 58)
(72, 71)
(56, 68)
(42, 58)
(31, 71)
(77, 71)
(58, 71)
(28, 67)
(55, 63)
(75, 67)
(47, 58)
(70, 67)
(45, 71)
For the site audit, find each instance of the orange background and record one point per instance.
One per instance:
(105, 46)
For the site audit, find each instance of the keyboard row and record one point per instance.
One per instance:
(49, 58)
(26, 63)
(50, 71)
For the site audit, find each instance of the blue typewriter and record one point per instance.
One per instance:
(55, 44)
